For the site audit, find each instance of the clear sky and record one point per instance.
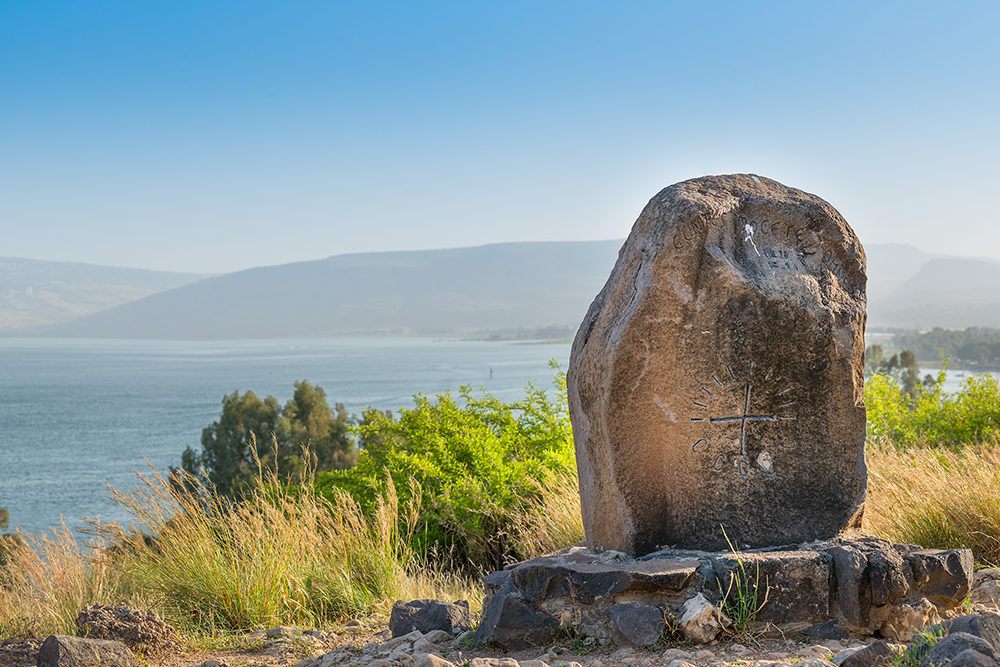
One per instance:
(215, 136)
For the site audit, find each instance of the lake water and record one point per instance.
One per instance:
(76, 415)
(953, 379)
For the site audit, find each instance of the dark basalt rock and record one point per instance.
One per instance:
(512, 624)
(947, 650)
(577, 575)
(942, 576)
(874, 655)
(826, 630)
(830, 584)
(636, 624)
(796, 584)
(428, 615)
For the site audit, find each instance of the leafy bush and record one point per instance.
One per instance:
(934, 465)
(484, 471)
(936, 417)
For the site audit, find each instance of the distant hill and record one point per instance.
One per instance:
(892, 264)
(948, 293)
(36, 293)
(503, 286)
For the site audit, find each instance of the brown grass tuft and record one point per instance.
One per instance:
(937, 498)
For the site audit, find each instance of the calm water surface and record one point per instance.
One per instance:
(76, 415)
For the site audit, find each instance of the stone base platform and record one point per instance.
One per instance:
(846, 586)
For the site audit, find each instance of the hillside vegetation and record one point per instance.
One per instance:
(36, 294)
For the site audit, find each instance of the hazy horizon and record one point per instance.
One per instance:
(967, 254)
(211, 137)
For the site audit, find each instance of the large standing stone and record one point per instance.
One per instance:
(716, 381)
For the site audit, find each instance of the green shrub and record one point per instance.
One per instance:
(935, 418)
(483, 470)
(934, 465)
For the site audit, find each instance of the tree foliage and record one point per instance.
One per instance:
(479, 466)
(902, 368)
(974, 345)
(934, 418)
(251, 430)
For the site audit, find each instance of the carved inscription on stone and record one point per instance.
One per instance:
(758, 395)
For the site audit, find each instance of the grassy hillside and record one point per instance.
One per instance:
(36, 293)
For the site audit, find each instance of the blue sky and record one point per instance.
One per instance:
(215, 136)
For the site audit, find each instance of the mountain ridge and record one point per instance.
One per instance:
(506, 287)
(496, 286)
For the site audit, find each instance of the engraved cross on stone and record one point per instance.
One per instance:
(743, 419)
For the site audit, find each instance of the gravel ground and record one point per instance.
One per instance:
(359, 646)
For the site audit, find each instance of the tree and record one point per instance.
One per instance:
(252, 432)
(874, 358)
(909, 373)
(902, 367)
(308, 420)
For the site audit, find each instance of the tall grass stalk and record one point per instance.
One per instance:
(941, 498)
(739, 601)
(281, 555)
(554, 523)
(48, 580)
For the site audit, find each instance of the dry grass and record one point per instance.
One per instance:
(280, 556)
(284, 556)
(558, 522)
(937, 498)
(49, 580)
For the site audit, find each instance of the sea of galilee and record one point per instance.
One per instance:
(79, 414)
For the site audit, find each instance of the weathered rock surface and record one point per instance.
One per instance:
(138, 629)
(512, 623)
(986, 589)
(700, 620)
(636, 624)
(716, 380)
(795, 584)
(878, 654)
(831, 589)
(904, 619)
(978, 641)
(942, 576)
(428, 615)
(985, 626)
(65, 651)
(945, 651)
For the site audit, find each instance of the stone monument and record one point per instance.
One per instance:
(716, 382)
(715, 390)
